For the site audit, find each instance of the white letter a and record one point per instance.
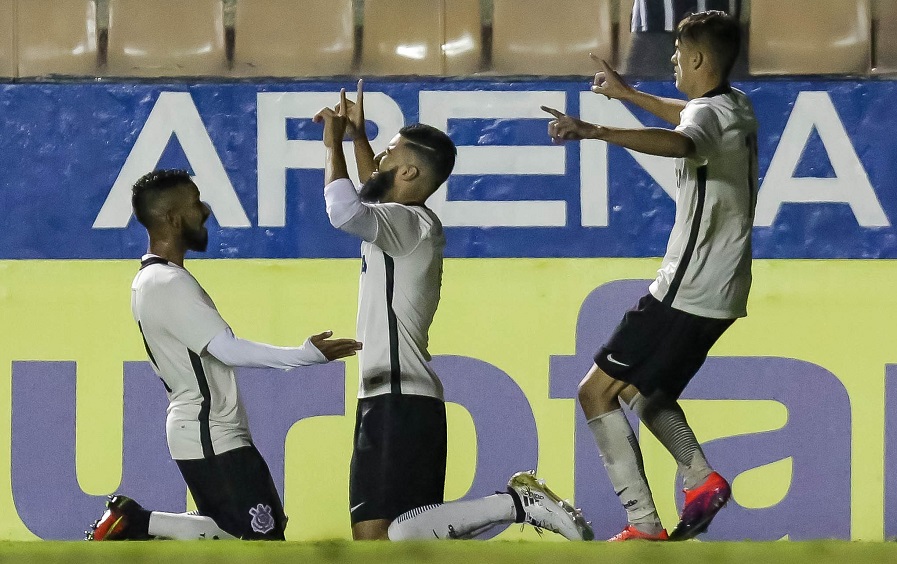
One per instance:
(851, 183)
(174, 114)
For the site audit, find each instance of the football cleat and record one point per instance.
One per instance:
(543, 509)
(115, 524)
(631, 533)
(701, 505)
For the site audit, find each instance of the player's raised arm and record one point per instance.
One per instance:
(355, 128)
(651, 141)
(335, 123)
(609, 83)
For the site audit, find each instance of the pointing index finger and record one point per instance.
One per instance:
(552, 111)
(360, 95)
(342, 102)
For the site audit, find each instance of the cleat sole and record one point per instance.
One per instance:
(688, 532)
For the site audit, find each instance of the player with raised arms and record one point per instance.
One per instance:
(397, 473)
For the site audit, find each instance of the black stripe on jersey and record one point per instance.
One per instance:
(205, 434)
(143, 264)
(151, 261)
(150, 354)
(146, 346)
(751, 143)
(395, 371)
(692, 239)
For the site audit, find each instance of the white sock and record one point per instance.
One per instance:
(666, 421)
(623, 460)
(183, 526)
(454, 520)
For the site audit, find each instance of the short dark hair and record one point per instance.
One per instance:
(718, 29)
(434, 146)
(147, 190)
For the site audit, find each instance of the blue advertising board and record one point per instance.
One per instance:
(71, 152)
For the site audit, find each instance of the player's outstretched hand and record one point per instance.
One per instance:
(569, 128)
(609, 82)
(335, 121)
(333, 349)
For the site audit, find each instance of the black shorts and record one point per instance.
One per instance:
(659, 348)
(235, 489)
(398, 461)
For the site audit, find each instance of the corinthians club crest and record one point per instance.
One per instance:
(262, 520)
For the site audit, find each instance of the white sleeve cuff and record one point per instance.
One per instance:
(233, 351)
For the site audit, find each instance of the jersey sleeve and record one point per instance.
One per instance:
(346, 210)
(701, 124)
(234, 351)
(179, 306)
(396, 228)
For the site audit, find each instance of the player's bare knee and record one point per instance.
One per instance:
(597, 394)
(371, 530)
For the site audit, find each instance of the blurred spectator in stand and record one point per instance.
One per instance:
(653, 34)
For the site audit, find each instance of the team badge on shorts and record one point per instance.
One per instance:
(262, 520)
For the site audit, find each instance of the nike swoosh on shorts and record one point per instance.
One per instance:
(610, 358)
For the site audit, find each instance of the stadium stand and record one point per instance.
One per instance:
(166, 38)
(402, 37)
(7, 39)
(533, 37)
(303, 38)
(884, 36)
(810, 37)
(293, 38)
(462, 47)
(57, 37)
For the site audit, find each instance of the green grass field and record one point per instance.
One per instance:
(450, 552)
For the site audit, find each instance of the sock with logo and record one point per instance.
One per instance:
(454, 520)
(622, 458)
(666, 421)
(184, 526)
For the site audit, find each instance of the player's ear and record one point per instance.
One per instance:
(172, 218)
(409, 172)
(698, 59)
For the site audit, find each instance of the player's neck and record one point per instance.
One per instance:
(169, 250)
(405, 196)
(705, 83)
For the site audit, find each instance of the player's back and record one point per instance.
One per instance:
(177, 319)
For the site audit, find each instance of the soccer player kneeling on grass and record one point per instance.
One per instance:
(397, 474)
(702, 285)
(194, 352)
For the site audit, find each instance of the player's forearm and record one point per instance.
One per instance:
(335, 164)
(651, 141)
(364, 157)
(667, 109)
(234, 351)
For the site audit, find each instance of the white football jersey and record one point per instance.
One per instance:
(707, 267)
(401, 278)
(178, 319)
